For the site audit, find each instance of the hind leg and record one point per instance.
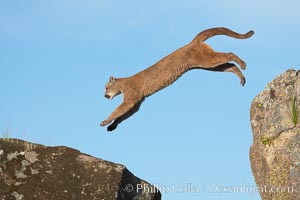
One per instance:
(222, 58)
(230, 67)
(234, 69)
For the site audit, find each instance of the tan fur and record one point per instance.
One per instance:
(195, 55)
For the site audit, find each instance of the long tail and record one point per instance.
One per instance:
(204, 35)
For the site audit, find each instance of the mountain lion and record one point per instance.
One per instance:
(195, 55)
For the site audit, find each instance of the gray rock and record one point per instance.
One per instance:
(33, 171)
(275, 152)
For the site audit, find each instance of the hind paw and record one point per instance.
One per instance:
(243, 65)
(243, 81)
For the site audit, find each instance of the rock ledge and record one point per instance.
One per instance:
(275, 152)
(33, 171)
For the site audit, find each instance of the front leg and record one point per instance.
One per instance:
(121, 110)
(128, 114)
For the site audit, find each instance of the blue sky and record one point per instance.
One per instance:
(56, 57)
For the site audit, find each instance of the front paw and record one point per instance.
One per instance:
(112, 127)
(104, 123)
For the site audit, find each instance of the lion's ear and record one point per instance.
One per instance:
(112, 79)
